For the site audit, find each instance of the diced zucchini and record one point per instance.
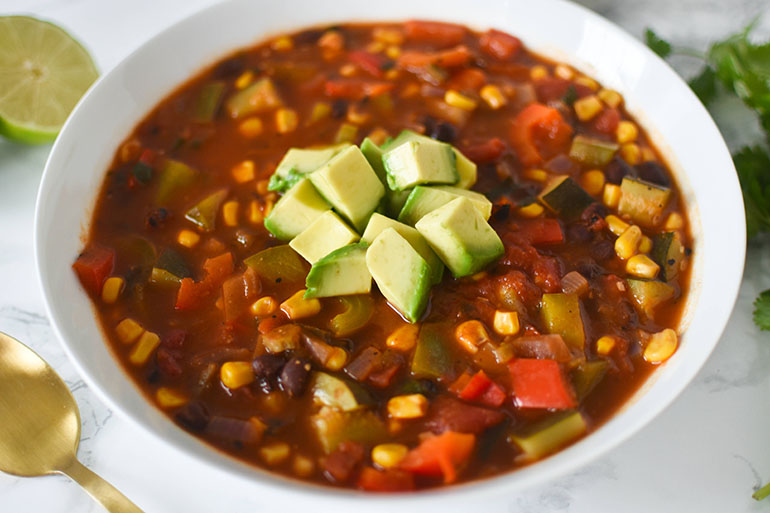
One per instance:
(592, 152)
(260, 96)
(342, 272)
(323, 236)
(667, 252)
(649, 294)
(420, 162)
(279, 263)
(561, 315)
(299, 162)
(333, 427)
(295, 211)
(425, 199)
(204, 213)
(642, 201)
(565, 198)
(587, 375)
(551, 435)
(174, 175)
(431, 358)
(336, 393)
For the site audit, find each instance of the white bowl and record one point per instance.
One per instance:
(659, 99)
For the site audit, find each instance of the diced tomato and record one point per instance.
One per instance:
(482, 389)
(607, 121)
(537, 130)
(454, 57)
(468, 79)
(540, 384)
(368, 62)
(147, 157)
(543, 230)
(488, 151)
(442, 34)
(440, 455)
(448, 414)
(192, 294)
(343, 460)
(554, 88)
(460, 383)
(355, 89)
(93, 266)
(415, 61)
(218, 268)
(493, 396)
(238, 292)
(390, 480)
(499, 44)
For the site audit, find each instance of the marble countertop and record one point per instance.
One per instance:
(707, 452)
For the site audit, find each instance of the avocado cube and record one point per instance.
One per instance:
(373, 154)
(296, 209)
(299, 162)
(378, 223)
(343, 272)
(323, 236)
(426, 199)
(466, 168)
(401, 274)
(350, 184)
(461, 237)
(417, 162)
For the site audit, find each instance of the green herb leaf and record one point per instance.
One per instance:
(704, 85)
(762, 311)
(570, 96)
(656, 44)
(753, 166)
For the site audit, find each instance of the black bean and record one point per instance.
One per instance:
(193, 416)
(157, 217)
(500, 213)
(339, 108)
(294, 376)
(594, 212)
(268, 365)
(616, 170)
(443, 131)
(308, 37)
(654, 173)
(578, 233)
(230, 68)
(602, 250)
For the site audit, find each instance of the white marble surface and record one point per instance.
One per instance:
(705, 453)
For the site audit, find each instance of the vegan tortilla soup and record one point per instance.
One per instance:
(389, 256)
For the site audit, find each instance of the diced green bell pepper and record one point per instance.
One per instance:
(549, 435)
(432, 357)
(332, 427)
(204, 214)
(561, 315)
(357, 312)
(278, 263)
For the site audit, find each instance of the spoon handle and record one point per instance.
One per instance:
(102, 491)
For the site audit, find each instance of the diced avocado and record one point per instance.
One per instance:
(592, 152)
(394, 201)
(378, 223)
(258, 97)
(561, 316)
(417, 162)
(401, 274)
(332, 427)
(350, 184)
(466, 168)
(566, 198)
(278, 263)
(426, 199)
(549, 435)
(295, 211)
(643, 202)
(334, 392)
(204, 213)
(461, 237)
(587, 375)
(667, 252)
(299, 162)
(342, 272)
(432, 358)
(649, 294)
(327, 233)
(373, 154)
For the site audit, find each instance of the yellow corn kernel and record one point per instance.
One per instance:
(337, 359)
(631, 153)
(230, 213)
(563, 71)
(494, 97)
(588, 107)
(286, 120)
(610, 97)
(479, 275)
(611, 195)
(111, 289)
(536, 175)
(275, 453)
(627, 244)
(392, 74)
(188, 238)
(403, 338)
(593, 181)
(538, 72)
(320, 111)
(470, 335)
(255, 212)
(236, 374)
(394, 426)
(144, 348)
(389, 455)
(251, 127)
(274, 402)
(297, 307)
(347, 70)
(264, 306)
(388, 36)
(357, 116)
(616, 225)
(626, 132)
(645, 245)
(648, 155)
(605, 345)
(169, 398)
(378, 135)
(243, 172)
(661, 346)
(262, 187)
(673, 222)
(267, 207)
(375, 47)
(531, 210)
(506, 323)
(130, 150)
(244, 79)
(282, 44)
(393, 51)
(642, 266)
(302, 466)
(128, 330)
(410, 406)
(456, 99)
(589, 82)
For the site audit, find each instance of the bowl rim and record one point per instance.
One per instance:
(562, 462)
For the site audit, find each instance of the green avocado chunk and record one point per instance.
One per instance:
(418, 162)
(296, 209)
(299, 162)
(425, 199)
(342, 272)
(327, 233)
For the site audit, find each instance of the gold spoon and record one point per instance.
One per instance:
(40, 427)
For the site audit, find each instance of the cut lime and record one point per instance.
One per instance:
(43, 74)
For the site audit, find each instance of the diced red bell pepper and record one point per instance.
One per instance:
(440, 455)
(442, 34)
(368, 62)
(238, 292)
(355, 89)
(468, 79)
(414, 61)
(499, 44)
(147, 157)
(390, 480)
(453, 57)
(482, 389)
(538, 132)
(540, 384)
(607, 121)
(488, 151)
(93, 266)
(542, 230)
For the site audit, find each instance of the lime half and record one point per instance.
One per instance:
(43, 74)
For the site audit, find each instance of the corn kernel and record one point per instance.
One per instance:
(605, 345)
(403, 338)
(536, 175)
(661, 346)
(626, 132)
(320, 111)
(188, 238)
(593, 182)
(262, 187)
(538, 72)
(394, 426)
(587, 108)
(357, 116)
(491, 94)
(631, 153)
(589, 82)
(169, 398)
(378, 135)
(479, 275)
(297, 307)
(282, 44)
(111, 289)
(243, 171)
(627, 244)
(244, 79)
(388, 36)
(264, 306)
(616, 225)
(610, 97)
(611, 195)
(531, 210)
(131, 150)
(286, 120)
(275, 453)
(267, 208)
(273, 402)
(347, 70)
(337, 359)
(648, 155)
(375, 47)
(144, 348)
(128, 330)
(456, 99)
(236, 374)
(302, 466)
(642, 266)
(470, 335)
(673, 222)
(506, 323)
(393, 51)
(392, 74)
(389, 455)
(251, 127)
(259, 427)
(230, 213)
(564, 72)
(645, 245)
(255, 212)
(410, 406)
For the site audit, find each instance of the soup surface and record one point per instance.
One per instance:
(566, 267)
